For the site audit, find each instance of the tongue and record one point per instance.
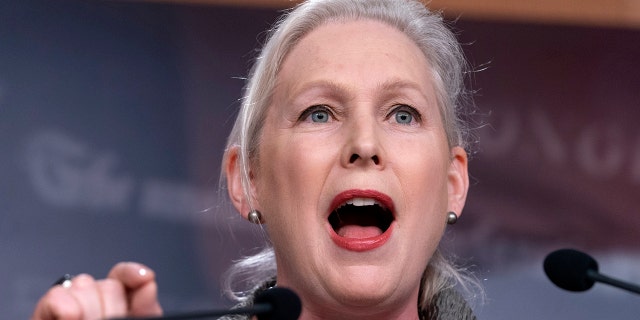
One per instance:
(359, 232)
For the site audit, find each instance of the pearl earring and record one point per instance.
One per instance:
(452, 217)
(255, 216)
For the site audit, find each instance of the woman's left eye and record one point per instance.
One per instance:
(320, 116)
(404, 114)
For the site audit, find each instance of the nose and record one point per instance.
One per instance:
(363, 147)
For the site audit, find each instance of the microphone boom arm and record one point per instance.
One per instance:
(599, 277)
(257, 309)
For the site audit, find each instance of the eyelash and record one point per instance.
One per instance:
(417, 117)
(319, 107)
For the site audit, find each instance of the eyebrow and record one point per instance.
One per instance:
(399, 88)
(395, 84)
(387, 86)
(334, 88)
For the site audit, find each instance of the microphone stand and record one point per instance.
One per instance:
(599, 277)
(256, 309)
(274, 303)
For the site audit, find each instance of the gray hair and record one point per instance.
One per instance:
(428, 31)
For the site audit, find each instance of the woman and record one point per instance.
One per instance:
(350, 149)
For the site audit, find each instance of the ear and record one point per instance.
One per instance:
(233, 171)
(458, 180)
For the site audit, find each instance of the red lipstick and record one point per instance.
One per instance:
(360, 245)
(350, 240)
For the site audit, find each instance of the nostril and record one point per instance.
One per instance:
(354, 157)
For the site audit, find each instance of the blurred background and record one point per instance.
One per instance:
(114, 114)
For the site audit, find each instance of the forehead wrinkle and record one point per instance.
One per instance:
(396, 85)
(325, 88)
(345, 92)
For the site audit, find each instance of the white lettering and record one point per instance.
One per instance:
(601, 152)
(550, 141)
(65, 173)
(174, 201)
(598, 150)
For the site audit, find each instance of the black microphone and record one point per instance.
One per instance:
(272, 304)
(577, 271)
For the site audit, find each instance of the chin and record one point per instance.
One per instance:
(369, 300)
(364, 289)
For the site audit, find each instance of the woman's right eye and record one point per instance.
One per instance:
(316, 114)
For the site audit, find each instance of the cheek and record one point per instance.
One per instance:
(289, 186)
(425, 188)
(423, 176)
(291, 175)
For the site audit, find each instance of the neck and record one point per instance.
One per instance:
(315, 309)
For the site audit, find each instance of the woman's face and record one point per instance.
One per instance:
(354, 175)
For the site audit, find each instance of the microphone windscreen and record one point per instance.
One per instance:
(568, 269)
(285, 304)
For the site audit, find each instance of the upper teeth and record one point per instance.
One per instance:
(359, 202)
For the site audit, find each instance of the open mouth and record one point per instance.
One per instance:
(361, 218)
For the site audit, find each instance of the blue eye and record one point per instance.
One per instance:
(316, 114)
(403, 117)
(320, 116)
